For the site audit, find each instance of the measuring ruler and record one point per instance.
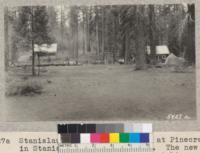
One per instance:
(105, 148)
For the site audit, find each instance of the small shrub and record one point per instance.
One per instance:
(26, 90)
(31, 90)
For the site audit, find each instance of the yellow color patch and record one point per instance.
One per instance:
(114, 137)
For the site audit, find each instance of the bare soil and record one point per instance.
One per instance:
(100, 92)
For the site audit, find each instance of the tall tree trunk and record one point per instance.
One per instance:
(32, 42)
(103, 32)
(190, 44)
(85, 22)
(74, 18)
(115, 27)
(140, 41)
(72, 36)
(61, 26)
(88, 30)
(76, 34)
(97, 32)
(33, 58)
(83, 35)
(152, 37)
(140, 52)
(6, 49)
(126, 39)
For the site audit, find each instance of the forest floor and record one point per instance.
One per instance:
(99, 92)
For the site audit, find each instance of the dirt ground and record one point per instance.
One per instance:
(101, 92)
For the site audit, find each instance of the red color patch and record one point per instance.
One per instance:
(104, 138)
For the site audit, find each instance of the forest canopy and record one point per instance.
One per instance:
(106, 33)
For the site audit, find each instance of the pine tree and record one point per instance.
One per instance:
(74, 30)
(32, 28)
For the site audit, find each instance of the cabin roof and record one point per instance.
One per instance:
(160, 50)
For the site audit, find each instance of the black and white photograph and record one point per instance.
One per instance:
(99, 62)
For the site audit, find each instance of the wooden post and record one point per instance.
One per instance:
(38, 64)
(33, 58)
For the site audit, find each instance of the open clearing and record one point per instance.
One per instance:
(102, 92)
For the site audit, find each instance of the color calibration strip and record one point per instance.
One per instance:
(105, 138)
(104, 133)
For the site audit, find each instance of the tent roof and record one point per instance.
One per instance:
(44, 48)
(160, 50)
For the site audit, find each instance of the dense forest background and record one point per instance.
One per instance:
(101, 33)
(102, 68)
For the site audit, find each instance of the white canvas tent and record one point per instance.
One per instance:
(173, 60)
(45, 49)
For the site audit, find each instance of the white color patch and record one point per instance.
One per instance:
(85, 138)
(137, 127)
(147, 128)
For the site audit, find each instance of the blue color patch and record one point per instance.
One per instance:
(134, 138)
(144, 137)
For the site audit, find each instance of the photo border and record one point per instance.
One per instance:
(182, 125)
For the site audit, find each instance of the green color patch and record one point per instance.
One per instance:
(124, 138)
